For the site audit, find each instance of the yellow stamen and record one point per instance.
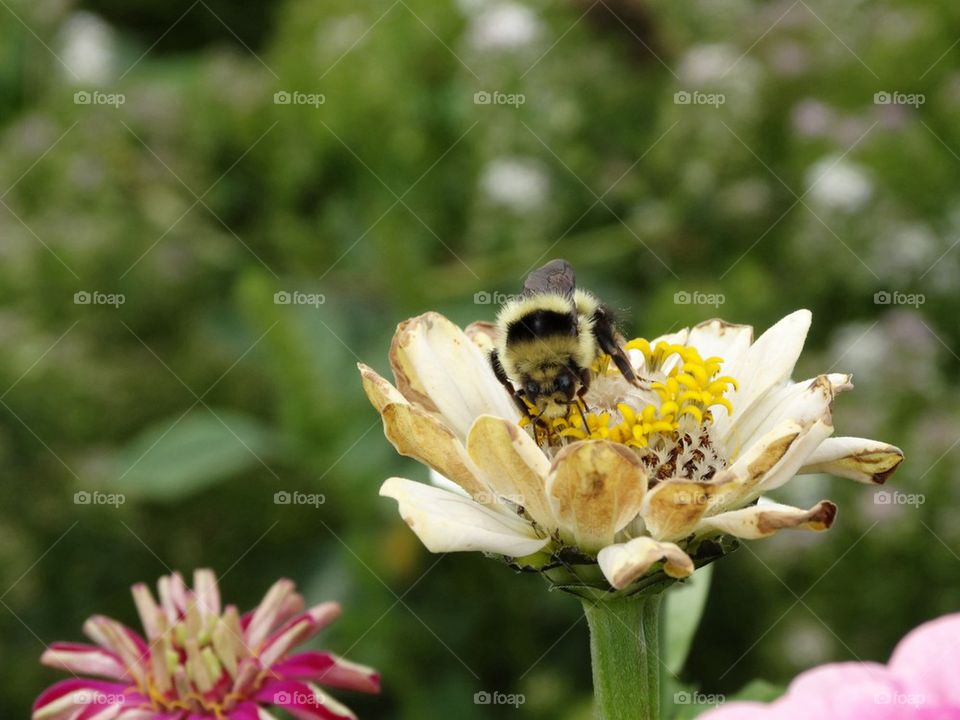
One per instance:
(690, 387)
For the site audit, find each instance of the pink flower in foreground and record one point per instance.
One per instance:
(201, 662)
(921, 682)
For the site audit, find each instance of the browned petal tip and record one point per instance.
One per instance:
(892, 461)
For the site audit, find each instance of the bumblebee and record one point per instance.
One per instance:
(547, 340)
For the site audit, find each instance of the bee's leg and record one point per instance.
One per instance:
(585, 376)
(609, 341)
(501, 375)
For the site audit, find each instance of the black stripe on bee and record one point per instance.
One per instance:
(540, 324)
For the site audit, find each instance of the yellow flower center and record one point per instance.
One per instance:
(687, 385)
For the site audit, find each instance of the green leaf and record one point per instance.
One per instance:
(685, 604)
(178, 457)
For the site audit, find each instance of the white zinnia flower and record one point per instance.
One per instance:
(658, 479)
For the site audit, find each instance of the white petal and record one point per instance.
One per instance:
(860, 459)
(446, 522)
(769, 463)
(717, 338)
(595, 488)
(766, 364)
(765, 519)
(438, 366)
(796, 456)
(514, 465)
(803, 402)
(445, 483)
(623, 563)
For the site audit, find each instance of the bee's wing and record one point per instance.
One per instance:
(556, 276)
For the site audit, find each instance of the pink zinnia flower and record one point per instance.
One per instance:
(199, 662)
(921, 682)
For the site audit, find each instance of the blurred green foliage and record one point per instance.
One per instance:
(199, 197)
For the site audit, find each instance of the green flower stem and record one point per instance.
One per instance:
(625, 650)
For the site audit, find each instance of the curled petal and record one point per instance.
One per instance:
(769, 463)
(804, 402)
(765, 519)
(596, 487)
(860, 459)
(483, 334)
(83, 659)
(515, 466)
(120, 640)
(302, 700)
(417, 434)
(672, 509)
(437, 366)
(298, 630)
(625, 562)
(152, 617)
(328, 669)
(207, 593)
(68, 698)
(266, 616)
(446, 522)
(378, 389)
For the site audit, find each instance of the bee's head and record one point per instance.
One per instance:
(551, 390)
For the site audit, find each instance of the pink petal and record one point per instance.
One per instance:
(927, 660)
(245, 711)
(299, 700)
(117, 638)
(328, 669)
(151, 616)
(746, 711)
(207, 591)
(81, 659)
(265, 617)
(298, 630)
(68, 698)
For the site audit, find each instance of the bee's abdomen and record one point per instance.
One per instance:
(541, 324)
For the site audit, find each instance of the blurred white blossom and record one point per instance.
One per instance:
(838, 184)
(503, 26)
(518, 183)
(88, 48)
